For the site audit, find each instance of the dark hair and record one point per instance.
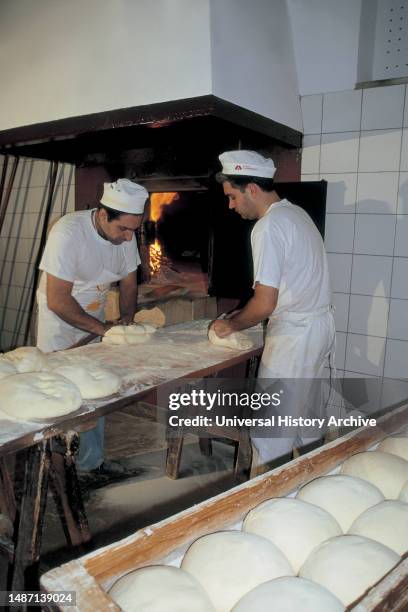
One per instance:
(240, 182)
(112, 214)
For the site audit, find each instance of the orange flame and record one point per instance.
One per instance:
(158, 201)
(155, 256)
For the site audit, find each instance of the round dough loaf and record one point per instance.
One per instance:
(289, 594)
(403, 496)
(387, 472)
(92, 381)
(348, 565)
(155, 316)
(344, 497)
(387, 523)
(38, 395)
(27, 359)
(160, 588)
(396, 445)
(6, 368)
(235, 341)
(129, 334)
(228, 564)
(293, 525)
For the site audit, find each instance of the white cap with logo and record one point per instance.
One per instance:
(125, 195)
(247, 163)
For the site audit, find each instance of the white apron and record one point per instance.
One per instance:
(54, 334)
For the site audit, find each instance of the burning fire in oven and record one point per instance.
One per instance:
(157, 203)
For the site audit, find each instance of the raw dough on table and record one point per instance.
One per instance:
(38, 395)
(344, 497)
(396, 445)
(289, 594)
(129, 334)
(228, 564)
(348, 565)
(387, 472)
(92, 381)
(160, 588)
(386, 523)
(6, 368)
(236, 340)
(294, 526)
(155, 316)
(403, 496)
(27, 359)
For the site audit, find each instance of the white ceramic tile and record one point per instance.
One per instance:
(406, 107)
(383, 107)
(342, 111)
(20, 273)
(368, 315)
(399, 287)
(365, 354)
(311, 154)
(339, 233)
(403, 194)
(362, 392)
(341, 304)
(68, 201)
(340, 271)
(371, 275)
(398, 320)
(377, 192)
(374, 234)
(312, 113)
(393, 390)
(309, 177)
(380, 151)
(396, 362)
(341, 192)
(69, 174)
(29, 200)
(404, 151)
(401, 236)
(340, 350)
(339, 152)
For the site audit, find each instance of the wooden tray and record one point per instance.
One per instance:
(166, 541)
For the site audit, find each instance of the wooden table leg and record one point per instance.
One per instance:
(30, 517)
(205, 446)
(243, 455)
(66, 490)
(174, 448)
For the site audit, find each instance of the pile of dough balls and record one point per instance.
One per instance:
(35, 385)
(129, 334)
(317, 552)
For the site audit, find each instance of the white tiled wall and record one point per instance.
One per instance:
(20, 235)
(358, 142)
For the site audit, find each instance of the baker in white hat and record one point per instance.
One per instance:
(291, 286)
(85, 252)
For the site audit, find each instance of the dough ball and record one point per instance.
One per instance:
(155, 316)
(396, 445)
(92, 381)
(387, 523)
(289, 594)
(6, 368)
(27, 359)
(228, 564)
(295, 526)
(403, 496)
(38, 395)
(344, 497)
(348, 565)
(160, 588)
(129, 334)
(387, 472)
(235, 341)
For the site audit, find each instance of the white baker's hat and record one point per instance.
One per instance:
(124, 195)
(247, 163)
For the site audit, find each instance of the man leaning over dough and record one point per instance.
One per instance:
(85, 252)
(291, 288)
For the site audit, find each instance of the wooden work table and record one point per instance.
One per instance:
(173, 353)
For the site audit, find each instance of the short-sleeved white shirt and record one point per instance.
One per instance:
(288, 253)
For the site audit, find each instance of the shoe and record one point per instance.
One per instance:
(106, 473)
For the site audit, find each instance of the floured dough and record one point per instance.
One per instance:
(396, 445)
(386, 523)
(289, 594)
(228, 564)
(38, 395)
(155, 316)
(235, 341)
(92, 381)
(348, 565)
(27, 359)
(129, 334)
(387, 472)
(403, 496)
(345, 497)
(294, 526)
(160, 588)
(6, 368)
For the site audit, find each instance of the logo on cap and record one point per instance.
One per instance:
(238, 167)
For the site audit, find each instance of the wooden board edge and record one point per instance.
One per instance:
(390, 593)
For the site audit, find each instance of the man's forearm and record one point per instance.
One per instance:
(69, 310)
(251, 315)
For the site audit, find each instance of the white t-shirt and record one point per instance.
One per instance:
(288, 253)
